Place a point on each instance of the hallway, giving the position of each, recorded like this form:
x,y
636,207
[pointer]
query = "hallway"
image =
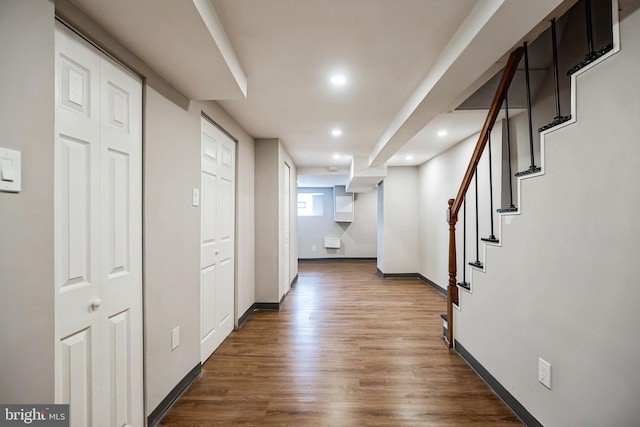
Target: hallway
x,y
347,349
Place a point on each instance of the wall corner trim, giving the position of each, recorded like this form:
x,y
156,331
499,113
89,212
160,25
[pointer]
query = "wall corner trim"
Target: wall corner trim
x,y
161,410
504,395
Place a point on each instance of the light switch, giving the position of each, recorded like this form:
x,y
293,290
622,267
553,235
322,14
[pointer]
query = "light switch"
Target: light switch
x,y
175,338
9,170
8,173
195,197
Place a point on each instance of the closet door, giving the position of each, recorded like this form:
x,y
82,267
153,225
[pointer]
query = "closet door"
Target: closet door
x,y
217,274
97,192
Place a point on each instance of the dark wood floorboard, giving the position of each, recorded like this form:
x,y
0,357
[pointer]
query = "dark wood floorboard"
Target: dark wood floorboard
x,y
347,349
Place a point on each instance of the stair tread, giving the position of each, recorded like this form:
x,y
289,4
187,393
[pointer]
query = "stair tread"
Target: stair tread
x,y
465,285
556,121
590,57
530,171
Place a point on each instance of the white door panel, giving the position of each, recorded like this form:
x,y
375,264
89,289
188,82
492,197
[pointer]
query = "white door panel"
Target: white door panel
x,y
121,243
226,211
120,369
225,295
217,280
98,236
77,376
208,211
208,299
76,194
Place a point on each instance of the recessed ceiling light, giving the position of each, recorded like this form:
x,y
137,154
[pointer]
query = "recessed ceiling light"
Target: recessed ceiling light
x,y
409,157
336,132
338,80
442,133
336,156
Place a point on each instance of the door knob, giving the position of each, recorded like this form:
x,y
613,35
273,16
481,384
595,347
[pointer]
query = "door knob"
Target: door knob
x,y
95,304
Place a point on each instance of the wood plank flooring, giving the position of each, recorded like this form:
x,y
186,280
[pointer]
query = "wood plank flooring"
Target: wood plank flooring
x,y
347,349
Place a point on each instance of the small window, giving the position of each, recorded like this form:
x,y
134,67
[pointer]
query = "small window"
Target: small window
x,y
310,204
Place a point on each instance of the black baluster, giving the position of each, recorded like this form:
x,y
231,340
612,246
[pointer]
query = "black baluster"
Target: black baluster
x,y
559,118
492,238
532,168
464,282
511,207
591,55
587,12
477,262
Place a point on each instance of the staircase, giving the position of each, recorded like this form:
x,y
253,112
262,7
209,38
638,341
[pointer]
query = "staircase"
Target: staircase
x,y
503,215
561,284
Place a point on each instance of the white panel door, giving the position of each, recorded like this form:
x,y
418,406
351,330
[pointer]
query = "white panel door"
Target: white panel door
x,y
121,244
286,251
217,275
98,280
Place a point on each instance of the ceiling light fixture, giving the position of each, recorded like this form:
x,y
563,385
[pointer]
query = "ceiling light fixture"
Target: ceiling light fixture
x,y
409,157
442,133
336,132
338,80
336,156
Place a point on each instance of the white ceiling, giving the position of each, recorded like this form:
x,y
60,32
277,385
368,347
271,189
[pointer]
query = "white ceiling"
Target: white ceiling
x,y
408,63
458,125
289,48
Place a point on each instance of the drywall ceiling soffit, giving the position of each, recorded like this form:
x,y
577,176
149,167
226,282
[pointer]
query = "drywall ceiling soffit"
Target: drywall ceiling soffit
x,y
184,41
363,184
322,180
480,44
288,48
363,178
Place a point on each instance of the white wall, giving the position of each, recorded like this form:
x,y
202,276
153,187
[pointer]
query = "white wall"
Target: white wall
x,y
172,236
398,248
439,181
171,244
171,224
285,158
267,249
380,221
26,233
270,157
563,285
358,238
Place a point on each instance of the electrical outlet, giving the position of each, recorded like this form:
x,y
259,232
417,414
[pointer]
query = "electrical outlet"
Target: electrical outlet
x,y
313,248
175,338
544,372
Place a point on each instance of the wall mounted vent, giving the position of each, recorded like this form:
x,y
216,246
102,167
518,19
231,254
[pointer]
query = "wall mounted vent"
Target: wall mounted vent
x,y
332,242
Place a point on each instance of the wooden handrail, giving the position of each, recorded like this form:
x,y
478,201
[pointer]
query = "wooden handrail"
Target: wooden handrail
x,y
456,204
494,110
